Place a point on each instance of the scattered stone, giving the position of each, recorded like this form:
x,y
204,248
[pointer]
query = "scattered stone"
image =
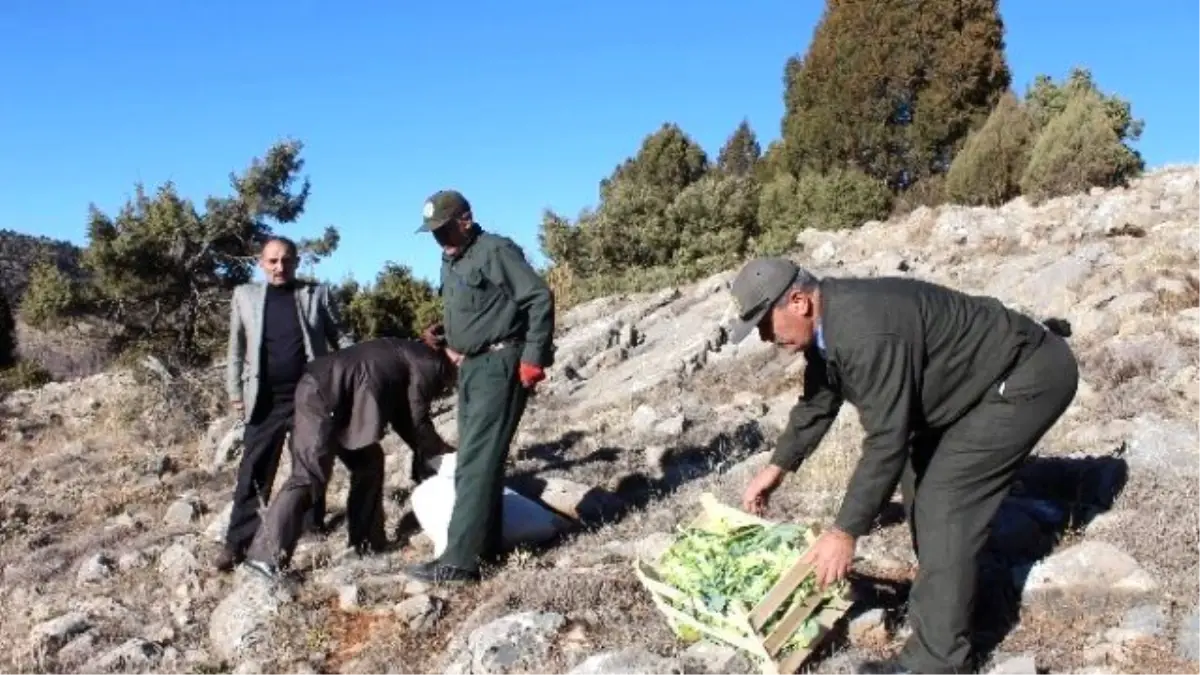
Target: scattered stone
x,y
95,569
420,612
182,512
178,565
511,643
349,597
132,560
249,667
242,621
49,635
135,655
414,587
712,657
1024,664
869,630
644,418
1187,639
215,531
1144,622
1090,565
76,652
631,660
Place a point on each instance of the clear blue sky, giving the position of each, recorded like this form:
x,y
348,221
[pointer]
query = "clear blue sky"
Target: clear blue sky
x,y
521,105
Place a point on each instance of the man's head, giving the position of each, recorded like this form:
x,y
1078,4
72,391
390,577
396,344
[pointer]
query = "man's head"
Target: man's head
x,y
278,260
448,216
778,298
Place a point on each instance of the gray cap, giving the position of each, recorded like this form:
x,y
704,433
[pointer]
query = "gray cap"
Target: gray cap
x,y
756,289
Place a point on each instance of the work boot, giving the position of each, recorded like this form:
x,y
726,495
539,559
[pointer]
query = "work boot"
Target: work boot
x,y
437,572
227,559
885,666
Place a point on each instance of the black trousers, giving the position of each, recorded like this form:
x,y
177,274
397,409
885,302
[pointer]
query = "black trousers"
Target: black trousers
x,y
952,488
313,450
262,442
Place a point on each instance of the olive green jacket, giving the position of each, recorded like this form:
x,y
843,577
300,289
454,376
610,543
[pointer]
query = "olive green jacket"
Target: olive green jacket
x,y
491,294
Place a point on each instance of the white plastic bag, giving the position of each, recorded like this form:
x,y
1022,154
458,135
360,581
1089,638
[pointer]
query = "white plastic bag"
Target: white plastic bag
x,y
524,520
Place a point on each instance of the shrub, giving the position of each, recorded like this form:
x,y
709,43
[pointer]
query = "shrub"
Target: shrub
x,y
987,171
1077,150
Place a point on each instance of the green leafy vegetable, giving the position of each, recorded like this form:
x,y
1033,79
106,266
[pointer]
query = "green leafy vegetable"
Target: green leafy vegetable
x,y
724,564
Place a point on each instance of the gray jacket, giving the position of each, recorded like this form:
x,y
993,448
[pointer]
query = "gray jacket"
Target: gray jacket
x,y
319,316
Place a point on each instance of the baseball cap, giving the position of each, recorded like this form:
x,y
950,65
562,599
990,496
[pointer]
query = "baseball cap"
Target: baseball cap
x,y
755,289
442,207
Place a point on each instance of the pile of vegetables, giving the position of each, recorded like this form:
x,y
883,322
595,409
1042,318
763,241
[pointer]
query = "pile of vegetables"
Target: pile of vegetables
x,y
723,567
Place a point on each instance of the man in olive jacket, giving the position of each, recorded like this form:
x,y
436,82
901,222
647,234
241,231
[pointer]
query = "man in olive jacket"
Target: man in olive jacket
x,y
345,403
953,392
499,315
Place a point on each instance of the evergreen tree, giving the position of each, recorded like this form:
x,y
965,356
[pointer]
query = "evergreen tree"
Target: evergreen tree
x,y
741,153
893,88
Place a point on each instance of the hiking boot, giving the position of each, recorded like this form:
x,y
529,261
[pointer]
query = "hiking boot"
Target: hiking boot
x,y
435,572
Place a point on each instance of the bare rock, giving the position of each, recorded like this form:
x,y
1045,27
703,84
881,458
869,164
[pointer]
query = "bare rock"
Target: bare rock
x,y
672,426
1144,622
241,623
644,418
575,500
712,657
349,597
631,660
1187,638
133,655
182,512
1024,664
48,636
215,530
517,642
420,612
132,560
869,630
1088,566
178,565
95,568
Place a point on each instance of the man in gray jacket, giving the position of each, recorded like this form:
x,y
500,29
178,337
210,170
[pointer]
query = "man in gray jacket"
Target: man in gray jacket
x,y
953,392
275,328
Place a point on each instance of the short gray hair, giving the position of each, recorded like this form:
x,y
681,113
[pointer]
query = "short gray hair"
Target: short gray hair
x,y
804,281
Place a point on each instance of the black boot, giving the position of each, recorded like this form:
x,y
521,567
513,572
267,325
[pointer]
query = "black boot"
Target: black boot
x,y
436,572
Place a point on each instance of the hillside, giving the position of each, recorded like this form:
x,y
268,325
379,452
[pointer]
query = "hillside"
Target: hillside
x,y
113,488
18,251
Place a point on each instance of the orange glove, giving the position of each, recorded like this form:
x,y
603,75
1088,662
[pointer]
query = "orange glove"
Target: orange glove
x,y
530,374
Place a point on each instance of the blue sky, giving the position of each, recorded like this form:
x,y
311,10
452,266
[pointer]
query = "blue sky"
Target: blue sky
x,y
521,105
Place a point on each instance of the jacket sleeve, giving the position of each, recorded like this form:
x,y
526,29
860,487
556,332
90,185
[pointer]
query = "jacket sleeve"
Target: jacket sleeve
x,y
810,418
422,436
533,298
235,351
333,325
880,373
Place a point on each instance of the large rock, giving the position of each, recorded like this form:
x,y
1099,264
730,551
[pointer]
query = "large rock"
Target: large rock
x,y
514,643
241,623
1088,566
632,660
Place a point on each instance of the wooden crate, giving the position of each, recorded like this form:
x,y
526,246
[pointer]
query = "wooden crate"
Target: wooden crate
x,y
743,627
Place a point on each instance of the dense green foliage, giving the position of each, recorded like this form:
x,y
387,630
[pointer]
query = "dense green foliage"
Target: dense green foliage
x,y
894,104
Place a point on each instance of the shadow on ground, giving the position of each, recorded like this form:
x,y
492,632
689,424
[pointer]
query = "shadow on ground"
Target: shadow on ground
x,y
600,506
1051,497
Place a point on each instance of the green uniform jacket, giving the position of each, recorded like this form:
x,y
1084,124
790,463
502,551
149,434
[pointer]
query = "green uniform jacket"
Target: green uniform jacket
x,y
909,355
491,294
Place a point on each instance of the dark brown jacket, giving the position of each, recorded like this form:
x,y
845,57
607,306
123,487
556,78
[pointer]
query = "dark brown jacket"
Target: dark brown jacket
x,y
381,383
910,356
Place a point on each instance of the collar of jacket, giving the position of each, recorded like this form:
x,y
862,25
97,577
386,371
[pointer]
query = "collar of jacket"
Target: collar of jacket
x,y
473,235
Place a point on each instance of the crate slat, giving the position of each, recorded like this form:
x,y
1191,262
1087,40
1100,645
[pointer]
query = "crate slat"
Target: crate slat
x,y
826,611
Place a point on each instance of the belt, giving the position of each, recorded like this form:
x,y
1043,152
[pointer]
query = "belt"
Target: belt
x,y
495,347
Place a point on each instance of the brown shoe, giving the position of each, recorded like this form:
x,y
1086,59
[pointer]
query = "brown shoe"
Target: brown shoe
x,y
227,560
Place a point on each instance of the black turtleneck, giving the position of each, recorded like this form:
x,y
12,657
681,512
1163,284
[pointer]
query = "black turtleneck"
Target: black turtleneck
x,y
282,340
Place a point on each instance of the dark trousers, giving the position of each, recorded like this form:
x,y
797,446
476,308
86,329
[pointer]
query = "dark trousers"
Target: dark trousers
x,y
313,450
952,487
262,442
491,401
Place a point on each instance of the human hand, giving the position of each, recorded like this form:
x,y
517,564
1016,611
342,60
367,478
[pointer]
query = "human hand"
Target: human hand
x,y
758,492
530,374
831,556
455,357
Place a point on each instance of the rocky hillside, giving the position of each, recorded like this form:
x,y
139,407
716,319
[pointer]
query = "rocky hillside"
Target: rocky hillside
x,y
114,489
18,250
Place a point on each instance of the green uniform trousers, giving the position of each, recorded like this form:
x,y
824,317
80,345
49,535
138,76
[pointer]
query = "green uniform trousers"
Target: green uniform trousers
x,y
491,401
952,488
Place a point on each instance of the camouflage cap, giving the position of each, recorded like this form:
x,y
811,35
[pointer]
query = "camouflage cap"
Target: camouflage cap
x,y
442,207
757,287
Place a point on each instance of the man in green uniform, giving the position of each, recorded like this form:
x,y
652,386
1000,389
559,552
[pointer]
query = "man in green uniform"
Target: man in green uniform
x,y
499,315
953,392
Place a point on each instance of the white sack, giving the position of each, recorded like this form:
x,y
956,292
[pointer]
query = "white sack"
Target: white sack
x,y
524,520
